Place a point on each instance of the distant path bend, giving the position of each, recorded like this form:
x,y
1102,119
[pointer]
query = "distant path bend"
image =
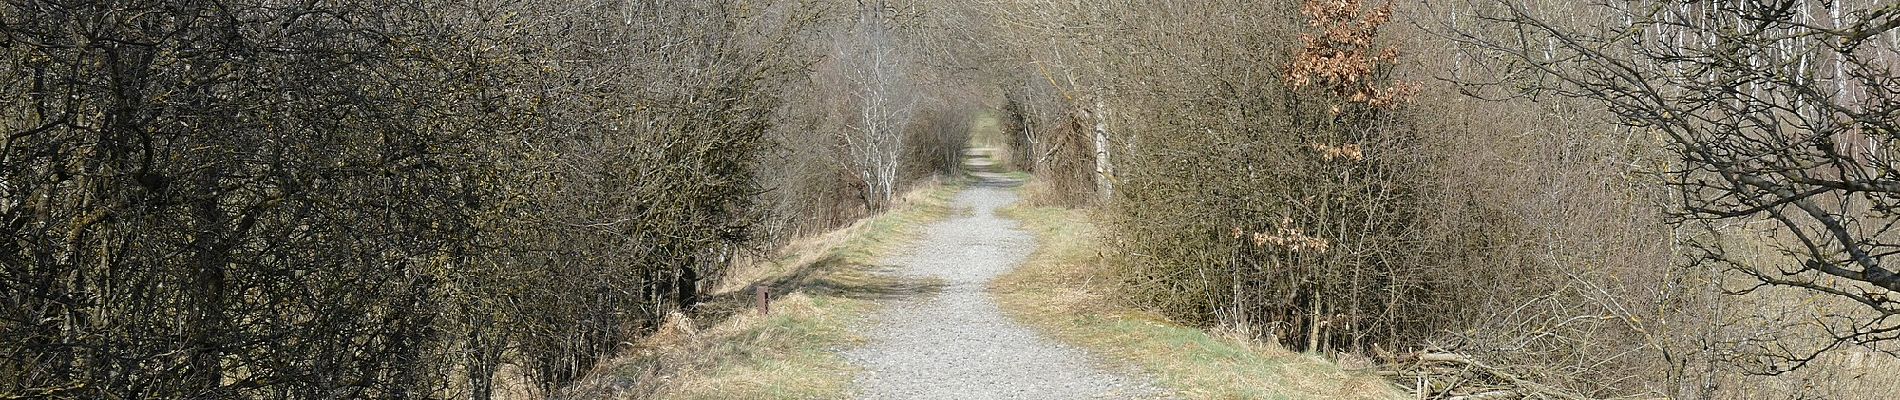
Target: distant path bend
x,y
957,344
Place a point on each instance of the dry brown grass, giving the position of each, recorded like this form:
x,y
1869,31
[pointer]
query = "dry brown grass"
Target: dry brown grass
x,y
1064,289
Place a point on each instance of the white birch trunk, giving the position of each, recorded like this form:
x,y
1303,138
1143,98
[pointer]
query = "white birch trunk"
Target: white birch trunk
x,y
1104,171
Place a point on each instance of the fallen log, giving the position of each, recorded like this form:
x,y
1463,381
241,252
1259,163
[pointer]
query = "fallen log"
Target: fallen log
x,y
1491,395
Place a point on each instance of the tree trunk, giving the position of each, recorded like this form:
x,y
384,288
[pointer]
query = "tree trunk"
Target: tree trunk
x,y
686,286
1312,321
207,294
1104,171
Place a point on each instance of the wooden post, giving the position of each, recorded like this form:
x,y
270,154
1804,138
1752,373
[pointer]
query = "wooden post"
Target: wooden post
x,y
764,296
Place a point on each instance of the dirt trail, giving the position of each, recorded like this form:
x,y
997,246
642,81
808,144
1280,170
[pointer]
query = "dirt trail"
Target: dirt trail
x,y
956,344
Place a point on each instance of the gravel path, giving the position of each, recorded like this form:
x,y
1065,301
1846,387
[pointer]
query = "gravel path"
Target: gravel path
x,y
956,344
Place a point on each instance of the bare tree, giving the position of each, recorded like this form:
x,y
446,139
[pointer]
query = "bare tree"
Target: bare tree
x,y
882,98
1777,115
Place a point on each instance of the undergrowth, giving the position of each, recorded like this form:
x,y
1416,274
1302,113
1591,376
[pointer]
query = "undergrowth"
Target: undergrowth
x,y
1064,290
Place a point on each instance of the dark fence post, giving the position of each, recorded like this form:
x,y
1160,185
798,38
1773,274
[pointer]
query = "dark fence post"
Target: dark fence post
x,y
764,299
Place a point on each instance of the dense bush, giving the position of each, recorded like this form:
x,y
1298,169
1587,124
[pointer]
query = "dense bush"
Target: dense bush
x,y
243,199
1299,212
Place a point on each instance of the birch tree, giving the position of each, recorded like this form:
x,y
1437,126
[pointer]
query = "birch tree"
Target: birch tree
x,y
883,99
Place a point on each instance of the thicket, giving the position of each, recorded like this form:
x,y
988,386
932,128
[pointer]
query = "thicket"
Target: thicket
x,y
396,198
1301,216
1773,121
1482,177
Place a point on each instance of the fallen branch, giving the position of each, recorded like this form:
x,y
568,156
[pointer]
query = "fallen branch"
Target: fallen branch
x,y
1452,376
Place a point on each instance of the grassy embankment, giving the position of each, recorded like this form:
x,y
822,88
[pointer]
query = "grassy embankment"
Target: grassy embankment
x,y
1065,290
830,282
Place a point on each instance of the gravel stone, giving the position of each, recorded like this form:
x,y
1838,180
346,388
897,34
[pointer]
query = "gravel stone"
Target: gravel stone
x,y
956,343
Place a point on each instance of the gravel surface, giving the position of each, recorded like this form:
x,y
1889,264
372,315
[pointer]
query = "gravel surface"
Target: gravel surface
x,y
956,344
